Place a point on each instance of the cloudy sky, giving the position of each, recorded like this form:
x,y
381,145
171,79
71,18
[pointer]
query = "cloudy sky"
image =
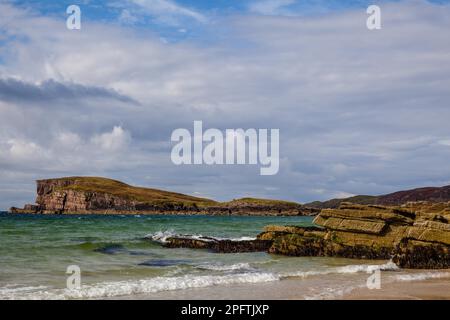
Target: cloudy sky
x,y
359,111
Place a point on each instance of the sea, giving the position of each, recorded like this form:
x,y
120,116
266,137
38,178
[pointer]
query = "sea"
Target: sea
x,y
122,256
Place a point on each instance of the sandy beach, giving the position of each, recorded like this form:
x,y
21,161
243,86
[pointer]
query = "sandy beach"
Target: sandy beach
x,y
301,289
434,289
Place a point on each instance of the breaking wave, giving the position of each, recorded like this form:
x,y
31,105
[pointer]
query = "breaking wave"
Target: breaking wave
x,y
221,267
389,266
162,236
157,284
356,268
422,276
168,283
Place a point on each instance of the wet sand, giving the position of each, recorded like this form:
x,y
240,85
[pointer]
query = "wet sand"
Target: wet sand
x,y
300,289
434,289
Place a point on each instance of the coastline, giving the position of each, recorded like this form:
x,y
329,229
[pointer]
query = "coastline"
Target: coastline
x,y
118,261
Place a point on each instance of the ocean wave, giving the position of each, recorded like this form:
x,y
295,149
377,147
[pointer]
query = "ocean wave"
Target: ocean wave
x,y
331,293
162,236
244,275
133,287
16,289
349,269
422,276
221,267
368,268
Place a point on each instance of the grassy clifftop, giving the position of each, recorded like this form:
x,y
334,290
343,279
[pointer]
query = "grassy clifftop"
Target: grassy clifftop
x,y
259,202
149,195
123,190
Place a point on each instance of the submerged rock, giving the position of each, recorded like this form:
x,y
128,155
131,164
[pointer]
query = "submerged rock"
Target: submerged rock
x,y
111,249
421,254
163,263
415,235
116,248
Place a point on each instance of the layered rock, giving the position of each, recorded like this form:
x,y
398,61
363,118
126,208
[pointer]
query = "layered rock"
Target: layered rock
x,y
416,235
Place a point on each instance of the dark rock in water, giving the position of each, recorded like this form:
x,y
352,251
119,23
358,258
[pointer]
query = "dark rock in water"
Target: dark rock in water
x,y
111,249
163,263
419,254
118,248
222,246
299,245
138,253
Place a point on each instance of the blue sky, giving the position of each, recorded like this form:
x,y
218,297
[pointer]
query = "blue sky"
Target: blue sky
x,y
140,14
359,111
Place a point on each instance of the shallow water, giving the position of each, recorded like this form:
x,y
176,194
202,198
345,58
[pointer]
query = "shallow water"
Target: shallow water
x,y
116,258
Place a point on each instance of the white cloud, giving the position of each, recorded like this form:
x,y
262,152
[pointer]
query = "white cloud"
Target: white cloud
x,y
444,142
69,140
168,11
358,111
342,195
24,150
270,7
115,140
127,17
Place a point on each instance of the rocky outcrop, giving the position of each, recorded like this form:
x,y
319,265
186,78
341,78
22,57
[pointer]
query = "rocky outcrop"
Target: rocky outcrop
x,y
219,246
92,195
422,254
258,207
415,235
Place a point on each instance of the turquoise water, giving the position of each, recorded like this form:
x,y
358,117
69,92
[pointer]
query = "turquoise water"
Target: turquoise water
x,y
123,256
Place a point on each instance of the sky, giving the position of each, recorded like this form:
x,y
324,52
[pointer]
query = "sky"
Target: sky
x,y
359,111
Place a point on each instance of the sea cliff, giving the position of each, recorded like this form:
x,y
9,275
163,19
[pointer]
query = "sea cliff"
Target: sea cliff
x,y
93,195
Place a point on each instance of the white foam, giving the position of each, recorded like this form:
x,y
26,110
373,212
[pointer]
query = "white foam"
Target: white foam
x,y
172,282
239,239
332,293
422,276
162,236
368,268
349,269
304,274
220,267
12,289
124,288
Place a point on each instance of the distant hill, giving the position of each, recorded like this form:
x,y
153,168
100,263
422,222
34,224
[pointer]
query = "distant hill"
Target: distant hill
x,y
432,194
85,195
334,203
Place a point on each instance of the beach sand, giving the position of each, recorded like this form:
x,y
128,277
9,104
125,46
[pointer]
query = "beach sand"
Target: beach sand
x,y
433,289
300,289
